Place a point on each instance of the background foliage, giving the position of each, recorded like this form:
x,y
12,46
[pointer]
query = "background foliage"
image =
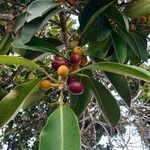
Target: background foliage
x,y
38,30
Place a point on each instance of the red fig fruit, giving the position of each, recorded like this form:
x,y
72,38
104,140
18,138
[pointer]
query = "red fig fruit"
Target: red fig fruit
x,y
76,88
75,58
71,79
57,63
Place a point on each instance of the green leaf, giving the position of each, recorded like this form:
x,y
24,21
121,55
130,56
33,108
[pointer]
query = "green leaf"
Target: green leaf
x,y
9,60
4,40
106,101
61,131
55,41
32,27
20,21
138,8
50,15
18,98
90,36
99,32
118,16
141,46
133,57
2,94
39,8
104,28
120,47
127,70
136,43
5,44
36,44
79,103
29,29
99,49
35,96
130,40
143,36
91,11
121,85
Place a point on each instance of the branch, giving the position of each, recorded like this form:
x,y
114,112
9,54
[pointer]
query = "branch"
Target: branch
x,y
63,25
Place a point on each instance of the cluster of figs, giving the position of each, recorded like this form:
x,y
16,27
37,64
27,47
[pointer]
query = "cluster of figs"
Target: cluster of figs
x,y
64,66
139,21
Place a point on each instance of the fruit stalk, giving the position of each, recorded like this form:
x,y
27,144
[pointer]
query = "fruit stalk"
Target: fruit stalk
x,y
61,97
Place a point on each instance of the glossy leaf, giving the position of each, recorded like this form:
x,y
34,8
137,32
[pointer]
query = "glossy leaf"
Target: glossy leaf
x,y
36,44
127,70
29,29
130,40
97,33
20,21
61,131
121,85
9,60
90,36
99,49
4,40
21,96
120,47
39,8
136,44
133,57
138,8
118,16
141,46
50,15
103,28
5,44
91,11
106,101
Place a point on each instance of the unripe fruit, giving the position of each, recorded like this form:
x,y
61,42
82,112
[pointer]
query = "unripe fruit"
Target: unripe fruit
x,y
76,88
75,58
57,63
45,84
84,60
63,71
71,79
148,18
132,27
78,50
143,19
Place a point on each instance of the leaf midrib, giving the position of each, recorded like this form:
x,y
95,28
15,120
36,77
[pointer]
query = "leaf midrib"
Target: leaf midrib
x,y
62,127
